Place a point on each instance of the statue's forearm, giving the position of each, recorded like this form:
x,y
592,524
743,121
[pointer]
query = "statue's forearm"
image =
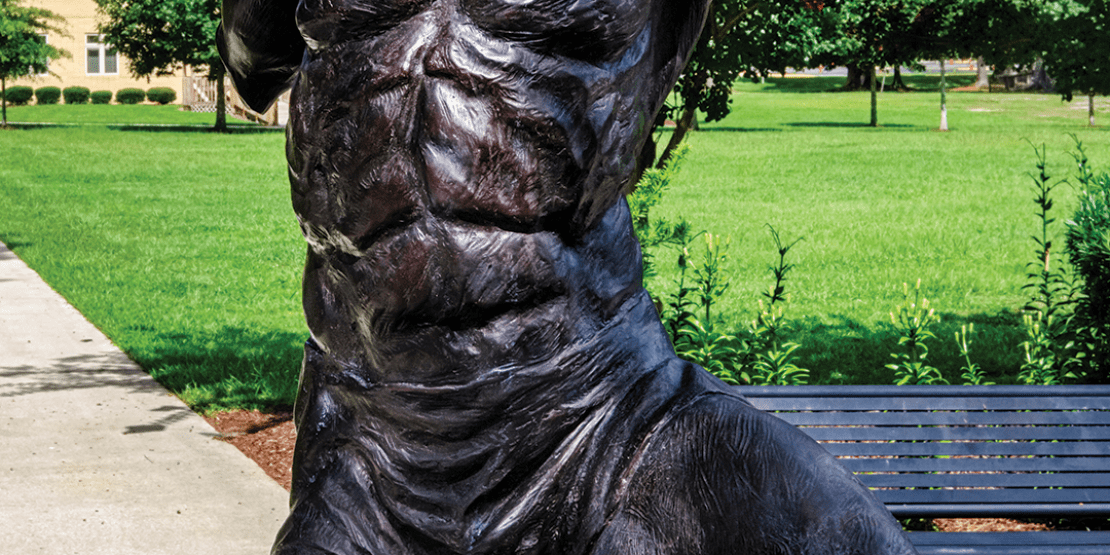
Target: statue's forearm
x,y
261,47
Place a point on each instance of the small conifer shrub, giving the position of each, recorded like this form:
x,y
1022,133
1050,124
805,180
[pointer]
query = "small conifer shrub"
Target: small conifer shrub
x,y
161,95
76,95
48,95
130,96
101,97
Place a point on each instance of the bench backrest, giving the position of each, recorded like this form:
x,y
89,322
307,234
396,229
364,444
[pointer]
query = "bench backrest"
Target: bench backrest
x,y
962,451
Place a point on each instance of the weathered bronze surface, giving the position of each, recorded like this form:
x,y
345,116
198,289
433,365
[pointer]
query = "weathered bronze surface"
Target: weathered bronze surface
x,y
486,373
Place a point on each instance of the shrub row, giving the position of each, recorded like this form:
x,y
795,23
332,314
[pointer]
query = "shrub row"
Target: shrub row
x,y
21,95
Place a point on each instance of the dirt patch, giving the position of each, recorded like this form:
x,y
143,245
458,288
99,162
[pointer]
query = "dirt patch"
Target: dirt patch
x,y
267,439
987,525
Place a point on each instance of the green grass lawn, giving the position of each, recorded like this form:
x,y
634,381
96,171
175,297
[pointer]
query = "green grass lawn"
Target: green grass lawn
x,y
878,207
183,249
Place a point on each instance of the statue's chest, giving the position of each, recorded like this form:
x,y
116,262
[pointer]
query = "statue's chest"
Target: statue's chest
x,y
593,30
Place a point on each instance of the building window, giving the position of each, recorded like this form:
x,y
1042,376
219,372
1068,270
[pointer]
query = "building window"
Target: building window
x,y
100,58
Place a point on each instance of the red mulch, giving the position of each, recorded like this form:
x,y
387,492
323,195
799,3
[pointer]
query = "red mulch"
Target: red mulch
x,y
987,525
268,440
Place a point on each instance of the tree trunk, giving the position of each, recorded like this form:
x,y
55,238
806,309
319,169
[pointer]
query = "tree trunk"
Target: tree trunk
x,y
221,102
1041,80
943,100
874,100
4,102
684,124
857,78
898,84
1091,109
644,161
982,78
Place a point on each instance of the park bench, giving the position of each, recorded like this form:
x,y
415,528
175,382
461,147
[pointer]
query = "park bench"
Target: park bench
x,y
968,452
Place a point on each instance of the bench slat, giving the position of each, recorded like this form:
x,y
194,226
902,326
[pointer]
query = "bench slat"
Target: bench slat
x,y
827,404
978,418
959,451
1011,543
1054,479
1043,549
1047,464
988,510
992,496
841,391
1053,549
958,433
1067,537
978,448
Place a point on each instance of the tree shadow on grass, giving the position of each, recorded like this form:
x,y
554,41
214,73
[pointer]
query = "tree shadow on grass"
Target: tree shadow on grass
x,y
853,124
231,368
809,84
740,129
232,128
842,350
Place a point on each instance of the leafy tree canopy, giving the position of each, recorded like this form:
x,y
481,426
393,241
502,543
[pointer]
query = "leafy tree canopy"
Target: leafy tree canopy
x,y
22,50
1077,50
160,36
741,38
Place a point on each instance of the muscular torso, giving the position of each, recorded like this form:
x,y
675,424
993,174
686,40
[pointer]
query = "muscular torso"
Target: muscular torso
x,y
486,374
445,153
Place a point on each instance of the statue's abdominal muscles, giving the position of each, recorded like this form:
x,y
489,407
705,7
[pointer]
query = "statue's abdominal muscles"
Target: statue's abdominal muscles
x,y
417,168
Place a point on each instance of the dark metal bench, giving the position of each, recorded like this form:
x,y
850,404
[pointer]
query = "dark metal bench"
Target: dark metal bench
x,y
968,452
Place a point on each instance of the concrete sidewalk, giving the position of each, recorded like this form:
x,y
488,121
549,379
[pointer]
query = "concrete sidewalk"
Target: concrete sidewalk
x,y
96,457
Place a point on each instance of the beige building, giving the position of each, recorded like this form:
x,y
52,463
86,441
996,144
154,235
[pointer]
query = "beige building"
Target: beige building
x,y
92,63
96,65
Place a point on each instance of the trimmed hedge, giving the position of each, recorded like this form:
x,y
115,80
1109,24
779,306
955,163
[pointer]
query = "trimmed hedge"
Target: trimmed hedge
x,y
47,95
161,95
19,95
130,96
76,95
101,97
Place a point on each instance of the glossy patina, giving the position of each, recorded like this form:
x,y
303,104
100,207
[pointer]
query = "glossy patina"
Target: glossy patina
x,y
486,373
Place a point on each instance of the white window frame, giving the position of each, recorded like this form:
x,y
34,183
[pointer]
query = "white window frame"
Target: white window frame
x,y
102,51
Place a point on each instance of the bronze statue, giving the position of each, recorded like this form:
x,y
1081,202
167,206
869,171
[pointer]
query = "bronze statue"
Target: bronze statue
x,y
486,374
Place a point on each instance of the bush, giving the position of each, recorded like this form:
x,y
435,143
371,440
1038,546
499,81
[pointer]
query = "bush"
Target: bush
x,y
161,95
76,95
101,97
48,95
130,96
19,95
1088,248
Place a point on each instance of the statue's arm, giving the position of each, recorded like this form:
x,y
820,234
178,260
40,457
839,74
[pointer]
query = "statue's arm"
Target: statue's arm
x,y
261,46
678,25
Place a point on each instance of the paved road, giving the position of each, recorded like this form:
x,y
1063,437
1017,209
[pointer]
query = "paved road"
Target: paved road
x,y
97,458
